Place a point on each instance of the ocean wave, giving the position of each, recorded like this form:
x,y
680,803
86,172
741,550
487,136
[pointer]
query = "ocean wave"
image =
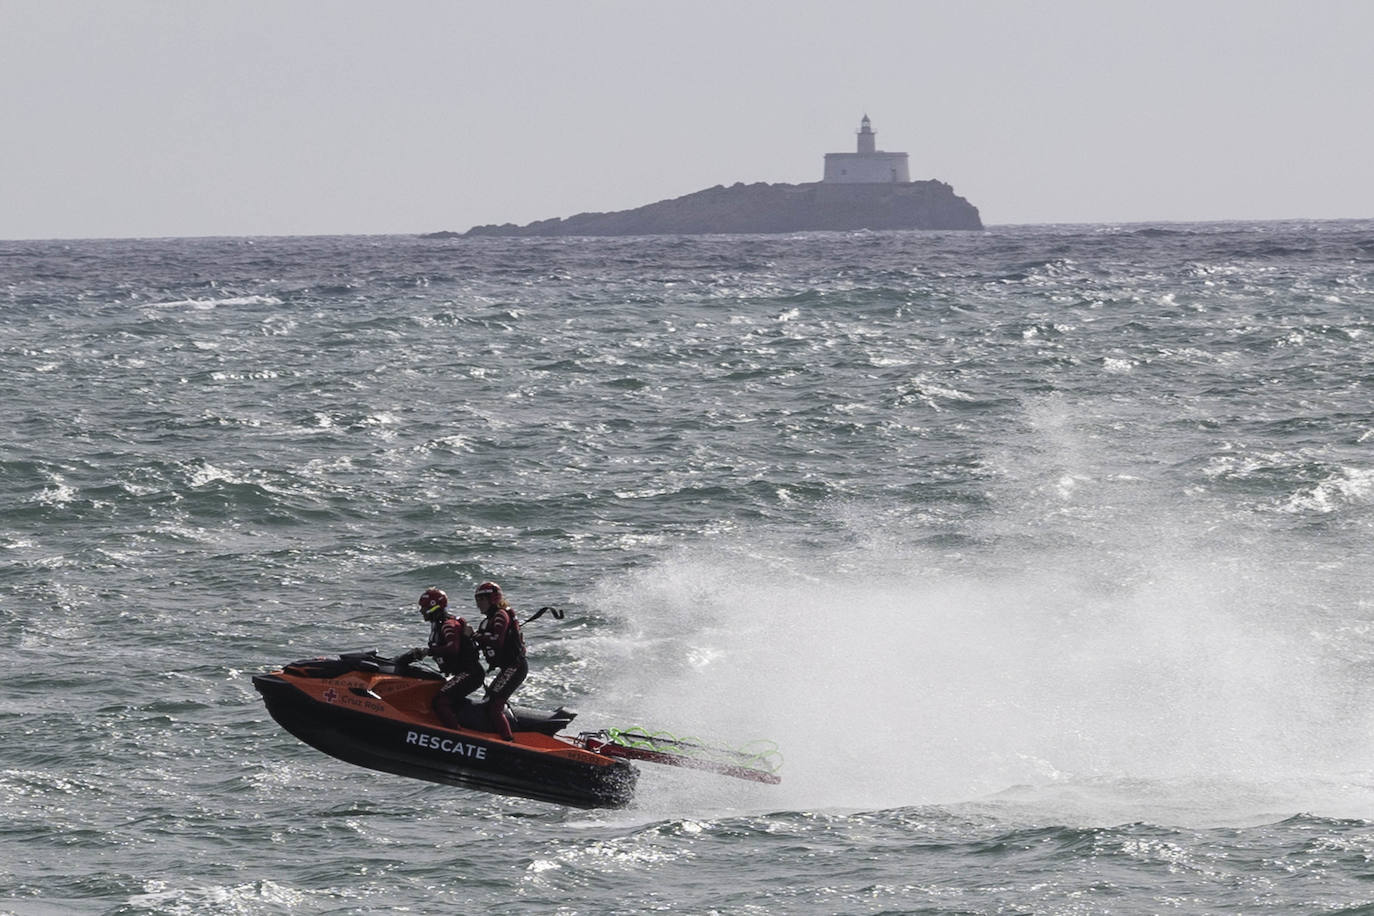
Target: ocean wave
x,y
1344,487
1072,523
208,304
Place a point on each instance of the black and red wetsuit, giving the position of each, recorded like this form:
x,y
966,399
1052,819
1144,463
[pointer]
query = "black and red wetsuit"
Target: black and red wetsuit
x,y
504,645
453,646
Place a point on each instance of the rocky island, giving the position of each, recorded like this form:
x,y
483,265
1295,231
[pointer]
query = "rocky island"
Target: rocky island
x,y
868,189
772,208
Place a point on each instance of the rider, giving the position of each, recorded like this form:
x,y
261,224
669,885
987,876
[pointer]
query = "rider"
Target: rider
x,y
452,644
504,645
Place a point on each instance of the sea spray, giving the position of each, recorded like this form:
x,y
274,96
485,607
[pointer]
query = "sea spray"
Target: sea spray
x,y
922,686
1104,624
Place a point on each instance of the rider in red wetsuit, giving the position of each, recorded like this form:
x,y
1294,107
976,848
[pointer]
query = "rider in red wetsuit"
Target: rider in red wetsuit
x,y
453,645
500,638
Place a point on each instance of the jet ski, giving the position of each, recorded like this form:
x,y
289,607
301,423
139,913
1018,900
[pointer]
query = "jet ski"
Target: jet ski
x,y
377,712
366,709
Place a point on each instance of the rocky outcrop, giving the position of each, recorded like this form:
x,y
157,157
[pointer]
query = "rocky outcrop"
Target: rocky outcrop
x,y
765,207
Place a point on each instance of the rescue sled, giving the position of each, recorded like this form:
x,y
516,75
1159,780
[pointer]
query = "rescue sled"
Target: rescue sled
x,y
366,709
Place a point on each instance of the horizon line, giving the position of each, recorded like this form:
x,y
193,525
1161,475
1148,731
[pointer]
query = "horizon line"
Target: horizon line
x,y
460,234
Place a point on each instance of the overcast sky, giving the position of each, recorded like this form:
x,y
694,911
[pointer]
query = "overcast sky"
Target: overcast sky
x,y
138,118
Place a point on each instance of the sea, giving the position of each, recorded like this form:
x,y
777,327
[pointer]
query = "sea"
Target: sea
x,y
1042,554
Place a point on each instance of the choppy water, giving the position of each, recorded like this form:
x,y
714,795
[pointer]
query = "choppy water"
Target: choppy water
x,y
1044,554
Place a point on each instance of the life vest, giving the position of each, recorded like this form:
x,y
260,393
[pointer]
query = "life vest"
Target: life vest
x,y
452,646
512,647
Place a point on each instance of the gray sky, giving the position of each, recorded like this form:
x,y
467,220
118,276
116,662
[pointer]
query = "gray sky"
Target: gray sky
x,y
137,118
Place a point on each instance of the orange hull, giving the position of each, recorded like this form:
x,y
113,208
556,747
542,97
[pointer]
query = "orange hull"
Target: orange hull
x,y
361,709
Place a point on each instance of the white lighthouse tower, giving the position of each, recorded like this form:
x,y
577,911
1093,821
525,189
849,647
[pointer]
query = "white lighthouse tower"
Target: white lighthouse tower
x,y
869,165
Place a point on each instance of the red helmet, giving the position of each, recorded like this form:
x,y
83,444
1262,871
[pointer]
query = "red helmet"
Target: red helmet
x,y
490,589
433,603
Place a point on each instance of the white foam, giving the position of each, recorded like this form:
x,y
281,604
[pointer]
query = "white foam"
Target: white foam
x,y
1103,630
209,304
1343,487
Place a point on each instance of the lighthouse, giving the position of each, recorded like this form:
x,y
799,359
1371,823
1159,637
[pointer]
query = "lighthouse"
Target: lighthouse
x,y
867,138
869,165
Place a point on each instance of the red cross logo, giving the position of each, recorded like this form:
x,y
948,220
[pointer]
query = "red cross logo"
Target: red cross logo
x,y
331,694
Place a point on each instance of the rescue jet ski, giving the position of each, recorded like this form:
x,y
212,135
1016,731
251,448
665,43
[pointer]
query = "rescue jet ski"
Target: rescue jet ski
x,y
376,712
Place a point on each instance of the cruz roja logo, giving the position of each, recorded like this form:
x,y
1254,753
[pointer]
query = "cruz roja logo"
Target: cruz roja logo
x,y
447,745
